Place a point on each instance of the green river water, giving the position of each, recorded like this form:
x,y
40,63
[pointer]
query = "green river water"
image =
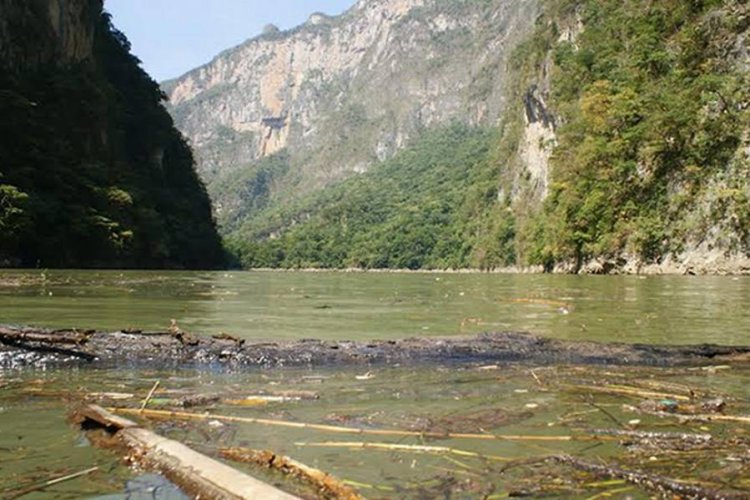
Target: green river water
x,y
36,442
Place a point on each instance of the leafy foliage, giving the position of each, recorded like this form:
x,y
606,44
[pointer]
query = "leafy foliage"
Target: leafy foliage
x,y
428,207
96,174
654,108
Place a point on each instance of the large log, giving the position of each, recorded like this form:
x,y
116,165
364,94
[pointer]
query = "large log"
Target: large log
x,y
196,474
175,348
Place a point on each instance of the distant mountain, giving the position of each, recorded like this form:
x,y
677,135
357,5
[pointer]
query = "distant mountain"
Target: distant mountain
x,y
570,135
336,95
92,171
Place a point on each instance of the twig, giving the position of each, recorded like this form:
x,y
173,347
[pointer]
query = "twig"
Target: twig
x,y
439,450
328,486
609,493
681,436
343,430
150,395
607,413
630,391
740,419
51,482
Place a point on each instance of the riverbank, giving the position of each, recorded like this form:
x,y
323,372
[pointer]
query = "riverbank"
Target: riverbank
x,y
703,262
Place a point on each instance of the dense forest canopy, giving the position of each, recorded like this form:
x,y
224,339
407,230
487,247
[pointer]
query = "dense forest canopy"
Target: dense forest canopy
x,y
93,173
425,208
650,160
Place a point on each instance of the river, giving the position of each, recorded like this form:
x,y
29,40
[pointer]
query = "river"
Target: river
x,y
296,305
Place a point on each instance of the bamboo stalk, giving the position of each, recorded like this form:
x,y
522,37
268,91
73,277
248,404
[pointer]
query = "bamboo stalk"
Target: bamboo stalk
x,y
150,395
181,415
630,391
51,482
612,492
328,486
439,450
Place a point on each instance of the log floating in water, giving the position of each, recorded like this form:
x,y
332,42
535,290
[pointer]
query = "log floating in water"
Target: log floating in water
x,y
190,470
166,349
328,486
47,341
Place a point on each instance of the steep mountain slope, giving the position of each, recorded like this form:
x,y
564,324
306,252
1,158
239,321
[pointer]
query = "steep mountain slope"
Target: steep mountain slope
x,y
337,95
92,171
651,167
427,207
623,146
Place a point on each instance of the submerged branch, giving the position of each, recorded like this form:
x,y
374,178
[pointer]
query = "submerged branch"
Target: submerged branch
x,y
652,482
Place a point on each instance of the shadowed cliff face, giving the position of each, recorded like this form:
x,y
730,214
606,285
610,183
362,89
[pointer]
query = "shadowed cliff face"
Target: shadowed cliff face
x,y
342,93
92,172
39,32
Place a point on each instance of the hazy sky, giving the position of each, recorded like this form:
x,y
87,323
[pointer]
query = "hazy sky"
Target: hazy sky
x,y
172,37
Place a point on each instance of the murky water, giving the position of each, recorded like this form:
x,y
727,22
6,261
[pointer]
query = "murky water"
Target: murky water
x,y
37,443
281,305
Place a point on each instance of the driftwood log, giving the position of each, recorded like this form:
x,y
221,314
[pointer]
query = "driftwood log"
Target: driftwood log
x,y
327,486
33,346
196,474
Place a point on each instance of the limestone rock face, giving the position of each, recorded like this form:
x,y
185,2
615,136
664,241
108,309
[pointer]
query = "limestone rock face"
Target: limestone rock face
x,y
340,93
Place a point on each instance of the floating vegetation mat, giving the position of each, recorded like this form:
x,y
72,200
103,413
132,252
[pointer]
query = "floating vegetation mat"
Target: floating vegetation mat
x,y
438,432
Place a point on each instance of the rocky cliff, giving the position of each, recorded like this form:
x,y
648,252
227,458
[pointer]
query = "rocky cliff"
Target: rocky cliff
x,y
341,93
92,171
40,32
594,136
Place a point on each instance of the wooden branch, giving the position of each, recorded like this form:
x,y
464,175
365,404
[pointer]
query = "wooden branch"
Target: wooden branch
x,y
47,337
193,472
41,341
652,482
328,486
181,415
679,436
682,417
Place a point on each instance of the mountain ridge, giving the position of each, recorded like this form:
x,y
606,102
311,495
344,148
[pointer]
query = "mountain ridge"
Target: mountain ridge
x,y
597,165
345,92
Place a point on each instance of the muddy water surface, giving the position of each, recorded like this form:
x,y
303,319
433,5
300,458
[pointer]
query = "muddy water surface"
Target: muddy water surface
x,y
37,443
280,305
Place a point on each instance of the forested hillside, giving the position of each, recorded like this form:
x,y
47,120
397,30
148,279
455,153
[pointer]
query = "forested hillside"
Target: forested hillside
x,y
92,171
624,147
652,155
428,207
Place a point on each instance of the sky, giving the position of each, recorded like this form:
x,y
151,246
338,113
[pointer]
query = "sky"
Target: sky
x,y
172,37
